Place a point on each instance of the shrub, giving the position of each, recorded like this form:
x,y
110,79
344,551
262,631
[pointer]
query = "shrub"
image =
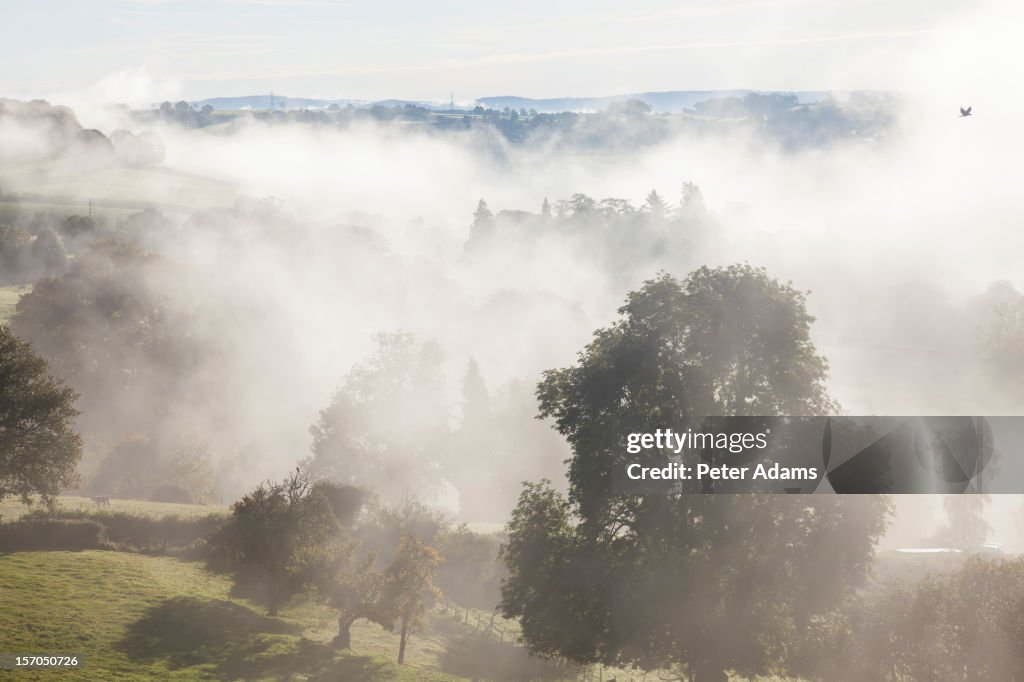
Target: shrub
x,y
36,533
142,532
168,492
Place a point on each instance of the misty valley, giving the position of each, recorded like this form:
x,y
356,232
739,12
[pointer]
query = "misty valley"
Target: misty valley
x,y
328,388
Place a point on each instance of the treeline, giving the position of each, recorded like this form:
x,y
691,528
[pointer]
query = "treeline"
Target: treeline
x,y
963,625
622,126
621,239
27,257
37,131
704,586
159,346
42,245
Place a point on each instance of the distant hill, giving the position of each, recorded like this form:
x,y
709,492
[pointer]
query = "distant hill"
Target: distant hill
x,y
668,102
281,102
261,102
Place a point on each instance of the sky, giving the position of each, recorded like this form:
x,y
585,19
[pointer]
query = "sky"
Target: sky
x,y
140,51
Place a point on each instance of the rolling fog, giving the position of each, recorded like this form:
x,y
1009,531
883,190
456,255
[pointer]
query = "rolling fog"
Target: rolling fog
x,y
328,236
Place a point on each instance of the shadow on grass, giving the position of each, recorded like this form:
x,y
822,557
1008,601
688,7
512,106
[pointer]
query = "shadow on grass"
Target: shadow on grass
x,y
480,656
248,582
235,642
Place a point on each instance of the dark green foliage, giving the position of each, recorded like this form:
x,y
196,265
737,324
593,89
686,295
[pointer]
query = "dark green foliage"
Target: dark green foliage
x,y
471,573
724,341
27,257
37,533
386,525
347,502
168,492
14,246
963,625
341,573
706,583
107,329
79,230
167,532
48,254
172,470
136,532
38,447
271,526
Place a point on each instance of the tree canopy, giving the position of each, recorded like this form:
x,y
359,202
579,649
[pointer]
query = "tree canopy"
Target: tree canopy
x,y
357,439
270,528
700,583
38,445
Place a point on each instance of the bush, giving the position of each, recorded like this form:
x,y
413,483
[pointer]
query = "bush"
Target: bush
x,y
35,533
965,625
168,492
142,532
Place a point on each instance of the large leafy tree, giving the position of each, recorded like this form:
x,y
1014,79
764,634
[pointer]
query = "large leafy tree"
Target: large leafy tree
x,y
704,584
385,428
107,328
38,445
272,527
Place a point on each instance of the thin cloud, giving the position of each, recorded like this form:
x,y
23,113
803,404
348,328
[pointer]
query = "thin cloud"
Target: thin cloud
x,y
551,55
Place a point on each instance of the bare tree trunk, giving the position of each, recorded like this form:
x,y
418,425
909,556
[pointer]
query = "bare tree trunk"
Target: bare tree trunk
x,y
401,642
275,593
709,673
344,638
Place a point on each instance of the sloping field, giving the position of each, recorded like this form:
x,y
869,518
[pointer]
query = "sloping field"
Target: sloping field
x,y
131,617
9,299
117,187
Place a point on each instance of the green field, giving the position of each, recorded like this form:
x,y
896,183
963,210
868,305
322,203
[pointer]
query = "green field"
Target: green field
x,y
138,616
12,509
9,297
115,189
134,617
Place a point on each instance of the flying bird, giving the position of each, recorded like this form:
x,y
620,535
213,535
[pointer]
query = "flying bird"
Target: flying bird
x,y
965,112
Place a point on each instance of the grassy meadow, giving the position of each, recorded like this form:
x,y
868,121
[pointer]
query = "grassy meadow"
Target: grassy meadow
x,y
132,616
9,297
141,615
12,509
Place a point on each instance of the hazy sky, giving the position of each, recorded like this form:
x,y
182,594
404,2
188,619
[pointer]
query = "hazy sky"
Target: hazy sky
x,y
142,50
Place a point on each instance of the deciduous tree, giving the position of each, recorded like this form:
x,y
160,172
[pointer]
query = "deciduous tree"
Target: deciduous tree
x,y
38,445
707,583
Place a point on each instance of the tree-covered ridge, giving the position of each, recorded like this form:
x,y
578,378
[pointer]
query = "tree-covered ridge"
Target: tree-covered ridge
x,y
617,125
